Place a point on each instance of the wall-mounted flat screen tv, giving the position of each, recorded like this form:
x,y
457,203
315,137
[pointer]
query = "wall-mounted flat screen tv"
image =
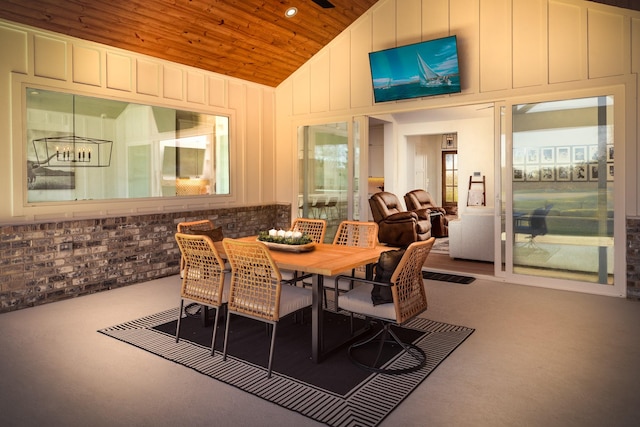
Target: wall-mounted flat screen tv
x,y
427,68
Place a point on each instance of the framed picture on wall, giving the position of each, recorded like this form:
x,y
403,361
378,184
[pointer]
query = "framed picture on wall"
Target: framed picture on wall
x,y
593,172
518,173
593,153
547,173
533,155
532,173
580,172
563,155
518,156
609,152
609,171
579,154
563,173
547,155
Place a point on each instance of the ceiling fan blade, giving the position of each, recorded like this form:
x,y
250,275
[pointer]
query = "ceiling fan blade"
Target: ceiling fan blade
x,y
324,4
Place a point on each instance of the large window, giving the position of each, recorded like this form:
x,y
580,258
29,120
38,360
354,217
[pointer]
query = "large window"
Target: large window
x,y
84,148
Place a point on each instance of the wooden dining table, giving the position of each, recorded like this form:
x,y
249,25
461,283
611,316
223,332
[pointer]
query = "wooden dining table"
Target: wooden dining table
x,y
324,260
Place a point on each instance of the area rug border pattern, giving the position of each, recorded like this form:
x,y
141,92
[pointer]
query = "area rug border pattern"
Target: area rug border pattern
x,y
365,405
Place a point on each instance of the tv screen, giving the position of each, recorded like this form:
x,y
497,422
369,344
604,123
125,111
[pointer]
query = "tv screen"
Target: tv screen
x,y
422,69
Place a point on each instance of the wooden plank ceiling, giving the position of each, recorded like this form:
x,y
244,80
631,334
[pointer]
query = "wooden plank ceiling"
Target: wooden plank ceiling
x,y
625,4
247,39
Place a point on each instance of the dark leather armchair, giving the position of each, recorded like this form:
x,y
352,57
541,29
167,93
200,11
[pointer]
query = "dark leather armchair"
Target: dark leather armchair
x,y
397,227
420,200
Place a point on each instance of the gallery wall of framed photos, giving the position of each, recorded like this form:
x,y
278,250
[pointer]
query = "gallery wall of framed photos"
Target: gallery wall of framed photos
x,y
578,163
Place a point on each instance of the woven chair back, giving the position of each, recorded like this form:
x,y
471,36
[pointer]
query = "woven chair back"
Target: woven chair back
x,y
200,225
357,233
314,228
409,296
255,280
186,226
204,274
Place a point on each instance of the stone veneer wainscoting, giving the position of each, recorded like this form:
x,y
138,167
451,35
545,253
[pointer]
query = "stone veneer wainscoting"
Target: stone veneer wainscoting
x,y
47,262
633,258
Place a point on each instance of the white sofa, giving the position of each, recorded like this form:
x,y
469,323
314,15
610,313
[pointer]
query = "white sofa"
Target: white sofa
x,y
471,236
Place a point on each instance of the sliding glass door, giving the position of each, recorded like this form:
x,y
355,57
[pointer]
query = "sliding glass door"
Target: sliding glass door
x,y
325,164
559,215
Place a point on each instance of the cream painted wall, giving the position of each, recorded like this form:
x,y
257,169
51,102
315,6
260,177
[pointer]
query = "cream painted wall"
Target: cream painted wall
x,y
509,50
475,153
35,57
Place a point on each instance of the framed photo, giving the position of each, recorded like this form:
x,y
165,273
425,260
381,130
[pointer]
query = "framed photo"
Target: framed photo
x,y
609,152
593,172
547,155
518,156
518,173
563,173
533,173
609,171
533,156
579,154
593,153
547,173
580,172
563,155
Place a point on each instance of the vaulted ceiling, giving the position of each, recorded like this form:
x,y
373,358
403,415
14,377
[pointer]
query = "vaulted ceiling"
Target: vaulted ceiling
x,y
248,39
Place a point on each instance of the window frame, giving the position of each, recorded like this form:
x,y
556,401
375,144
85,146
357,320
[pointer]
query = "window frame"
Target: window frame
x,y
22,209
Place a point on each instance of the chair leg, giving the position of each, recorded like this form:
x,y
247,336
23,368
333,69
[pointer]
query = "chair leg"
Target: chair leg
x,y
215,329
226,336
179,319
383,339
273,342
407,348
410,349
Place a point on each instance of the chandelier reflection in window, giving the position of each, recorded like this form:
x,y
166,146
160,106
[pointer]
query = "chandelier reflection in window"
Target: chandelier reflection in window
x,y
73,150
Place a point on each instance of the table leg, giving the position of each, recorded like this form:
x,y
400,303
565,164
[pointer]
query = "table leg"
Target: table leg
x,y
369,271
316,318
204,315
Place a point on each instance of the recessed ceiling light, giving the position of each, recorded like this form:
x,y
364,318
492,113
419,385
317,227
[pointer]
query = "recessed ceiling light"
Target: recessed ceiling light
x,y
291,12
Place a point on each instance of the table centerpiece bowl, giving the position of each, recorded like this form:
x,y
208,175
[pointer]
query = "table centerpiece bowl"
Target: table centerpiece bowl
x,y
288,243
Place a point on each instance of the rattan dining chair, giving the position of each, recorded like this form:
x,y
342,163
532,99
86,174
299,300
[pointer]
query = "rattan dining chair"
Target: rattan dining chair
x,y
409,299
205,280
353,233
315,229
256,289
190,227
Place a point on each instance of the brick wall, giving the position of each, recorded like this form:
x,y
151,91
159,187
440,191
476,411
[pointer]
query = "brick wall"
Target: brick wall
x,y
633,258
47,262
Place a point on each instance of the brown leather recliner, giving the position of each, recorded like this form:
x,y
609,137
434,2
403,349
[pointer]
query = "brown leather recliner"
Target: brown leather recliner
x,y
397,227
418,201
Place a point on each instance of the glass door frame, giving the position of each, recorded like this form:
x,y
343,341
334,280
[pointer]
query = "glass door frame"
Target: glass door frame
x,y
503,248
357,205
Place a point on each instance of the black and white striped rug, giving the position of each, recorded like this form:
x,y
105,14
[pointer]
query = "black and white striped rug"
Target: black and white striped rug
x,y
366,403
